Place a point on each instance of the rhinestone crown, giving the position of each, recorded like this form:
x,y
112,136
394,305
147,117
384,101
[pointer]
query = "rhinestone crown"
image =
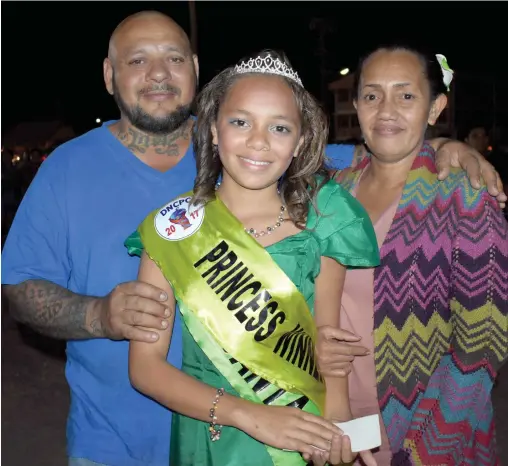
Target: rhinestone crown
x,y
268,65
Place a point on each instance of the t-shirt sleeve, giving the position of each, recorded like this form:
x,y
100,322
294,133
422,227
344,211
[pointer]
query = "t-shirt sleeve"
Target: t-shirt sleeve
x,y
134,244
36,247
339,156
343,228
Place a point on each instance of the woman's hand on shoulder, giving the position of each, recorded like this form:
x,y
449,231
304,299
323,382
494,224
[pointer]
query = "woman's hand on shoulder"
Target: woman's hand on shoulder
x,y
336,351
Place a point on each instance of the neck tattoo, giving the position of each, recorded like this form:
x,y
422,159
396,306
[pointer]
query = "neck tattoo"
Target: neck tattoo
x,y
165,144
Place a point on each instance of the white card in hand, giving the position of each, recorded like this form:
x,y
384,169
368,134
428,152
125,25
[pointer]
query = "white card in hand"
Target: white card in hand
x,y
364,432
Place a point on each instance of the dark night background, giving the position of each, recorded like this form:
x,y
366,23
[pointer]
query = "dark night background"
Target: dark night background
x,y
52,55
52,51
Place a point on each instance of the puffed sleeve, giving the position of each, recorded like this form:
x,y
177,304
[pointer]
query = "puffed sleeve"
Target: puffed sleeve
x,y
134,244
343,228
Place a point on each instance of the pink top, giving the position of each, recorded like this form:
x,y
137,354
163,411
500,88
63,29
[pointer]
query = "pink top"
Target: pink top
x,y
357,316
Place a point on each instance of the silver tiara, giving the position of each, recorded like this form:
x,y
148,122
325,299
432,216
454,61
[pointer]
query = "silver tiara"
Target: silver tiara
x,y
268,65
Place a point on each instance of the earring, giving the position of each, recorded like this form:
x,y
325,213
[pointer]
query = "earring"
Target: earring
x,y
215,153
218,182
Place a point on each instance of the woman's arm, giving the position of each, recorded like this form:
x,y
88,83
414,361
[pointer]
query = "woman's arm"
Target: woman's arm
x,y
329,287
285,428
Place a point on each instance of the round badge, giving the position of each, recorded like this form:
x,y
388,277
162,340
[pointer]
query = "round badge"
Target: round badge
x,y
178,220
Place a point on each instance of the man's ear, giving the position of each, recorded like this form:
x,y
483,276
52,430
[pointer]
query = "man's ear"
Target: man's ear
x,y
196,65
107,70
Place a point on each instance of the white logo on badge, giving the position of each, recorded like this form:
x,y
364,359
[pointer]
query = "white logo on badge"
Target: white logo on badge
x,y
178,220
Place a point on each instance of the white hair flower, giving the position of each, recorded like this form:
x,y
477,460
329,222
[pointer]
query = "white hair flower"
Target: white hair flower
x,y
446,70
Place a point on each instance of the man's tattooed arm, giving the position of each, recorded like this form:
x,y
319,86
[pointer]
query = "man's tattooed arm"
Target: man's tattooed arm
x,y
53,310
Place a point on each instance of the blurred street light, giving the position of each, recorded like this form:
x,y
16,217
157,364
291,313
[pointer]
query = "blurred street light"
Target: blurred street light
x,y
344,71
98,120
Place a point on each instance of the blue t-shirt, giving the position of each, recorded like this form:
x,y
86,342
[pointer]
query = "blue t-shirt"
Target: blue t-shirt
x,y
340,156
85,200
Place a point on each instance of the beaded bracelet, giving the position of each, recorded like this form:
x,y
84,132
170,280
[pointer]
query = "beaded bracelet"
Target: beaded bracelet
x,y
215,429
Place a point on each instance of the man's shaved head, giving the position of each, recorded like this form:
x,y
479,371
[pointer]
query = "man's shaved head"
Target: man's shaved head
x,y
142,20
151,72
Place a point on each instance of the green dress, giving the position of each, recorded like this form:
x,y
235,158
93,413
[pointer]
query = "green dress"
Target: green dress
x,y
340,230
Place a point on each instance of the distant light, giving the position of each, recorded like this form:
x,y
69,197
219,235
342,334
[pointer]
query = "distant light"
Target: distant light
x,y
98,120
344,71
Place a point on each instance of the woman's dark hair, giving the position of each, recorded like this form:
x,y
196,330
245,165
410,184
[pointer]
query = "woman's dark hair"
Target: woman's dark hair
x,y
298,186
431,68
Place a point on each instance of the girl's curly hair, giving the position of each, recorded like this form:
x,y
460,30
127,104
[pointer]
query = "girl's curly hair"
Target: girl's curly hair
x,y
299,185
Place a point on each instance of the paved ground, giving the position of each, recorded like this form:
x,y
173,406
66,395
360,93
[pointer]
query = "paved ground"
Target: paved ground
x,y
35,400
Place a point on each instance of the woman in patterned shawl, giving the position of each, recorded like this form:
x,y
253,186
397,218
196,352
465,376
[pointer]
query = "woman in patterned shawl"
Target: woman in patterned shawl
x,y
435,312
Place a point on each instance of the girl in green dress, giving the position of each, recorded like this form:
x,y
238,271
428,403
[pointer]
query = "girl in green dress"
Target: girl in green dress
x,y
255,258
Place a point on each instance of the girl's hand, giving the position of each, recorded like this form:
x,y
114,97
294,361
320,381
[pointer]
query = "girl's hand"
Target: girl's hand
x,y
340,452
287,428
322,458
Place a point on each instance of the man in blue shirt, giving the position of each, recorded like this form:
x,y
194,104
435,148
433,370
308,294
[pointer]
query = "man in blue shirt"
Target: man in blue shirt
x,y
68,273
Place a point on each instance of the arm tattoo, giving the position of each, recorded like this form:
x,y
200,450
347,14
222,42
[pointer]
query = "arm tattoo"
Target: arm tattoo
x,y
53,310
166,144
